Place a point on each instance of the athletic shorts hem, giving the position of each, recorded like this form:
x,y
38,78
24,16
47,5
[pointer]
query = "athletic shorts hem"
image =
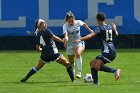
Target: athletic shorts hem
x,y
58,58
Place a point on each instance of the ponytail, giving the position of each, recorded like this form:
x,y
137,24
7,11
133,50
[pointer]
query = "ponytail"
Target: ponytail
x,y
36,22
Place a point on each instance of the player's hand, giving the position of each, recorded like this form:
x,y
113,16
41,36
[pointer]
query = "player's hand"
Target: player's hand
x,y
113,26
77,40
91,31
65,39
115,29
65,45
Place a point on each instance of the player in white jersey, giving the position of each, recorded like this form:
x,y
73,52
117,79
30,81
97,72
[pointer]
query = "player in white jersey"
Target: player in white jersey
x,y
71,31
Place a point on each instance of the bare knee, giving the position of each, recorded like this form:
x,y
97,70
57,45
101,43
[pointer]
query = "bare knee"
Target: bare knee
x,y
40,64
95,64
78,55
92,63
66,63
71,59
78,51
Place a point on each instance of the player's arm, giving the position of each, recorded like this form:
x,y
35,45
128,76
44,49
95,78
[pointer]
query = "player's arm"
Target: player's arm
x,y
65,37
37,39
89,36
38,48
65,33
87,27
115,29
54,37
57,38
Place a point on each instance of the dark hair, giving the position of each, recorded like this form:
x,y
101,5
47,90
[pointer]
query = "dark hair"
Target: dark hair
x,y
36,23
101,16
69,15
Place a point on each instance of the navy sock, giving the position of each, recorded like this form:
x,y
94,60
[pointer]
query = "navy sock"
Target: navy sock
x,y
31,72
94,75
107,69
70,72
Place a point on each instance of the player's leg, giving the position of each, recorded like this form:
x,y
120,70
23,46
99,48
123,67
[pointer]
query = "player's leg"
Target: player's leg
x,y
71,60
71,55
33,70
107,58
78,52
62,60
94,65
111,70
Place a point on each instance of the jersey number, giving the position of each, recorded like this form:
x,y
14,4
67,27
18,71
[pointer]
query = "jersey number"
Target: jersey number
x,y
42,42
108,35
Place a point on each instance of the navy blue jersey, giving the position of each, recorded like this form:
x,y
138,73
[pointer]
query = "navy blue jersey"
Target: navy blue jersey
x,y
44,39
105,33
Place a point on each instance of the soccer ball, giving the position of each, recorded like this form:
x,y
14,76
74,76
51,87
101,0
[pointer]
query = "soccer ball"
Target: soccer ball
x,y
88,78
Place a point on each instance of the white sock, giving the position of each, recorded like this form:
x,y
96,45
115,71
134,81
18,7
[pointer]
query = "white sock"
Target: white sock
x,y
79,64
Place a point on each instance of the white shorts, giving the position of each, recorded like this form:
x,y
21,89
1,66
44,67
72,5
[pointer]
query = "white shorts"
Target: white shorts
x,y
70,50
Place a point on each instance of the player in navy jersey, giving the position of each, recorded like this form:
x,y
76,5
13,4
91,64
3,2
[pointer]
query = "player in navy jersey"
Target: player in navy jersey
x,y
49,52
106,33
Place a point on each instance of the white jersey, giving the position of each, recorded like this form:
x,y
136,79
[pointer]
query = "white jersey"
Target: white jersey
x,y
73,32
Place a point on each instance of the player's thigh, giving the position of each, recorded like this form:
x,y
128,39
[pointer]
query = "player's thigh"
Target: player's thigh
x,y
70,51
78,50
96,63
71,59
92,62
106,57
40,64
62,60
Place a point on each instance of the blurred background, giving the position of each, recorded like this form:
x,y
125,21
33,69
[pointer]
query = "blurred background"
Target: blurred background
x,y
18,16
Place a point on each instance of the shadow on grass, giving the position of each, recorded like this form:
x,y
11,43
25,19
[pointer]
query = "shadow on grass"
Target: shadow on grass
x,y
69,83
51,83
36,82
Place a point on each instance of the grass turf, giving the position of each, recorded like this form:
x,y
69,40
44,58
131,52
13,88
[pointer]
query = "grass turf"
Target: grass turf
x,y
14,65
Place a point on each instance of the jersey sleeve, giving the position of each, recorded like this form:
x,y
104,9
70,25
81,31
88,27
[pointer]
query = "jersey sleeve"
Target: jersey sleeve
x,y
49,32
64,28
80,22
97,30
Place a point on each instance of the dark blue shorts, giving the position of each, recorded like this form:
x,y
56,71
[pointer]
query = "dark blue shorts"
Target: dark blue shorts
x,y
106,57
50,57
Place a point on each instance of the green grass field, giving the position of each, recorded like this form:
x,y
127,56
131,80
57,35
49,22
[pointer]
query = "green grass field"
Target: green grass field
x,y
53,78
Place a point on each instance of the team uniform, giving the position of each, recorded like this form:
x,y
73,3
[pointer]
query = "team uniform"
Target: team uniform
x,y
105,33
73,34
49,49
44,39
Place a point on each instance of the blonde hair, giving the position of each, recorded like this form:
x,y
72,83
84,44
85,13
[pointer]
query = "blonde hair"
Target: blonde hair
x,y
69,15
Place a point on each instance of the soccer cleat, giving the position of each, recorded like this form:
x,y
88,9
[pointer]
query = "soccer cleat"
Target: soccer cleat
x,y
74,81
23,80
78,75
117,74
96,84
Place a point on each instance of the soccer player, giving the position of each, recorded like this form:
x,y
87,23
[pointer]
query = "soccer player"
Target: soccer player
x,y
71,31
106,33
49,52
